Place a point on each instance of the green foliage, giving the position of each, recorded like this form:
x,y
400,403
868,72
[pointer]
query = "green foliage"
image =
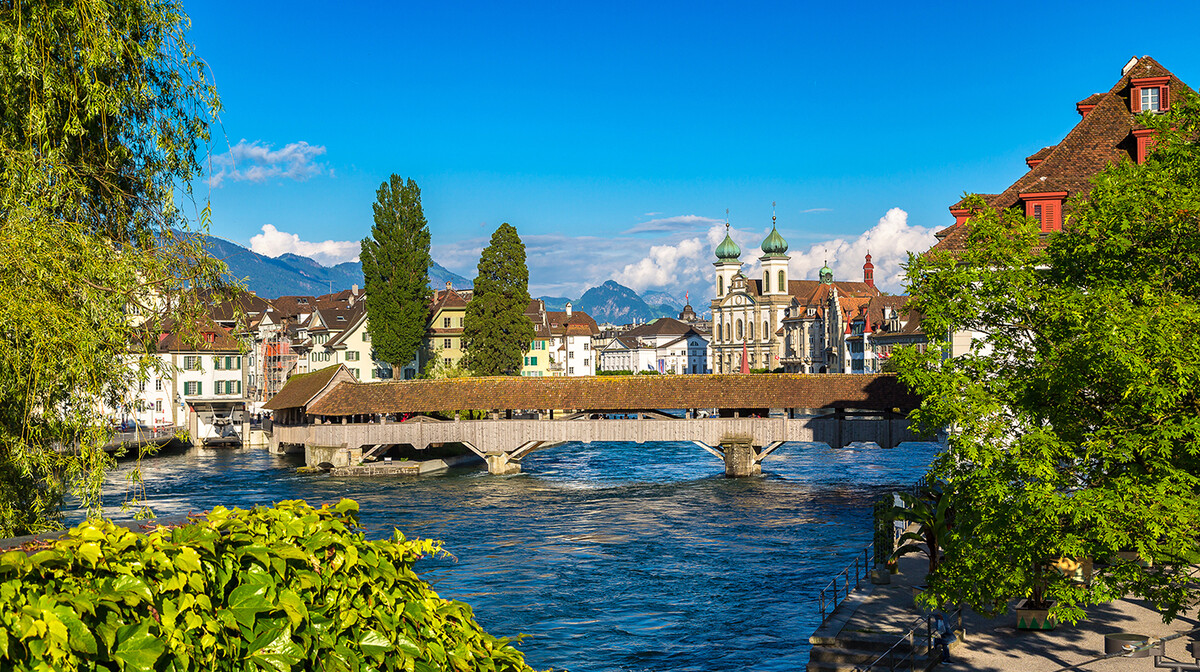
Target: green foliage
x,y
103,106
619,372
496,331
278,588
437,368
1074,429
929,509
396,261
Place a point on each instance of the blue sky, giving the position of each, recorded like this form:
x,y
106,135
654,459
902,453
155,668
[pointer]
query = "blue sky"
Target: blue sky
x,y
614,136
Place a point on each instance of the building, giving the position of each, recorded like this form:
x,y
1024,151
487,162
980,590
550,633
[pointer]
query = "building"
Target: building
x,y
571,333
1107,132
664,345
748,314
444,335
536,362
831,333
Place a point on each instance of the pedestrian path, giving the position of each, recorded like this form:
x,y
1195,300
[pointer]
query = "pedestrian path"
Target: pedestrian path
x,y
872,619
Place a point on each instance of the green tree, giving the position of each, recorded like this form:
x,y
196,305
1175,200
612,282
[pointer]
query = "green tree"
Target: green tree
x,y
1073,421
496,332
103,107
396,261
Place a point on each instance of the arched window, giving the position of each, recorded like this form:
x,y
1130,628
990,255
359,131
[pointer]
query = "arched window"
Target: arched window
x,y
782,282
750,328
720,285
766,330
739,330
766,282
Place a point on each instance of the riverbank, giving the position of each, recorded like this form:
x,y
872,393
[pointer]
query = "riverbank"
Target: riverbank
x,y
874,617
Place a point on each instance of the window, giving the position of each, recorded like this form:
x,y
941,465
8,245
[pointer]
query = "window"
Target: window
x,y
356,374
216,363
446,361
1037,213
739,330
158,385
570,354
220,387
750,328
571,371
782,282
446,322
191,363
352,356
366,337
585,362
587,346
533,361
447,343
1149,99
193,387
720,285
460,321
158,405
766,330
142,386
766,282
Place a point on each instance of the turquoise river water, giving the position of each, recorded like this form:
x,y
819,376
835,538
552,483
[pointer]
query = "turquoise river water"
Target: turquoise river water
x,y
609,556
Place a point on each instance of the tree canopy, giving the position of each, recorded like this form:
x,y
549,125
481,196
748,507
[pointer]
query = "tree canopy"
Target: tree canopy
x,y
496,332
396,261
1074,429
103,109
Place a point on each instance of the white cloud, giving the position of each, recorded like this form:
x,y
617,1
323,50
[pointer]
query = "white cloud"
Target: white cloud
x,y
889,242
257,162
681,259
272,242
671,224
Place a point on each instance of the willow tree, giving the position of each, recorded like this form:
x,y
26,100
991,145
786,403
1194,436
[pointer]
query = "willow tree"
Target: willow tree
x,y
1075,418
103,109
496,331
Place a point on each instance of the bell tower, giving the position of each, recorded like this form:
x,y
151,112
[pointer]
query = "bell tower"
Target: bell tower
x,y
774,263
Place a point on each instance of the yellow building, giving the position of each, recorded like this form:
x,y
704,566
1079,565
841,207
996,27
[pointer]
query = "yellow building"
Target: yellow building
x,y
444,335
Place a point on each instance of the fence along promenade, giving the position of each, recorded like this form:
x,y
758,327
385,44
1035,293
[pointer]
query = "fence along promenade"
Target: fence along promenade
x,y
337,421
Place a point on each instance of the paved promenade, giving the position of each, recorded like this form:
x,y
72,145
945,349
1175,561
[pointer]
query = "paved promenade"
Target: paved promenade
x,y
995,645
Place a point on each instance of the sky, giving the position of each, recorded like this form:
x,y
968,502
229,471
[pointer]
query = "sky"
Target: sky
x,y
614,136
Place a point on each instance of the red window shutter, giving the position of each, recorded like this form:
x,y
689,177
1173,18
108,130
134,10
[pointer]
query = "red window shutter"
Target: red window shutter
x,y
1135,100
1163,101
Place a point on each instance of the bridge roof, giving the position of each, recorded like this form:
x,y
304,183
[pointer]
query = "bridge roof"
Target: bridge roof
x,y
619,393
303,388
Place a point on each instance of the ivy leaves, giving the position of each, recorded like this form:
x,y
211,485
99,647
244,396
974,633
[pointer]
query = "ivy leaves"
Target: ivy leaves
x,y
278,588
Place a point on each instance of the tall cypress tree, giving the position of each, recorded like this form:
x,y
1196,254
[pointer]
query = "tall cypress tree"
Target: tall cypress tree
x,y
496,332
396,261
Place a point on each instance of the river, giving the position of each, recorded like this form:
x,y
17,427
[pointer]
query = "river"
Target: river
x,y
609,556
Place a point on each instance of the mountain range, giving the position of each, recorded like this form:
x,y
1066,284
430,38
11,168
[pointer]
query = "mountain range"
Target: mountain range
x,y
291,275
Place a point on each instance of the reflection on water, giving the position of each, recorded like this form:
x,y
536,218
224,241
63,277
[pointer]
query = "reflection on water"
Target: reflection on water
x,y
610,556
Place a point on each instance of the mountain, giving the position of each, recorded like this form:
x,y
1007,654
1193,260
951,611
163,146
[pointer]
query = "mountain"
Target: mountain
x,y
616,303
662,301
291,274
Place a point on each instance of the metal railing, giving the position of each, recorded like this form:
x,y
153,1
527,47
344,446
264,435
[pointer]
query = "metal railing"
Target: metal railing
x,y
832,594
894,658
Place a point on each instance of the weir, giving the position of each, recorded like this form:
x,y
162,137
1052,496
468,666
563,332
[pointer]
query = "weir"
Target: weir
x,y
338,422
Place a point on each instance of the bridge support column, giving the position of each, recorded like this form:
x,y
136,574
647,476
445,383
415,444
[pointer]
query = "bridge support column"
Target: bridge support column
x,y
502,464
740,459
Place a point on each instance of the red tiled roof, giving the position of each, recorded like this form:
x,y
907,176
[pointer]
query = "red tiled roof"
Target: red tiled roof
x,y
301,389
873,392
1101,138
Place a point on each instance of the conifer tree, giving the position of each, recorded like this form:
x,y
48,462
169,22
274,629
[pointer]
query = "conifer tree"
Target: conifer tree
x,y
496,332
396,261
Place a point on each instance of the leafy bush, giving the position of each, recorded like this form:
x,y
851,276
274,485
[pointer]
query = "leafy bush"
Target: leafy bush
x,y
273,588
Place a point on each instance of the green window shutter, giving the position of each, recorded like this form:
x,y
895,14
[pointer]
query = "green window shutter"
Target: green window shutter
x,y
533,361
239,387
199,388
217,363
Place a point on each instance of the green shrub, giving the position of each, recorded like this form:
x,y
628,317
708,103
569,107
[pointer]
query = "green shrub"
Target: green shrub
x,y
278,588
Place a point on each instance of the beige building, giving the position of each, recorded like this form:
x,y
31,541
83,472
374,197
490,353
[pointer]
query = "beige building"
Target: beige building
x,y
749,313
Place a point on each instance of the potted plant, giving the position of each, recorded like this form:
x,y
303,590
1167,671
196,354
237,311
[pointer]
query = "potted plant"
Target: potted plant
x,y
1033,612
928,509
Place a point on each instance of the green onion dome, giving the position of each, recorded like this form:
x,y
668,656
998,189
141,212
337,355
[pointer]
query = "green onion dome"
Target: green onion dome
x,y
728,250
774,245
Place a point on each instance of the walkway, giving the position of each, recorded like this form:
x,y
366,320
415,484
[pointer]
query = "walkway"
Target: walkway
x,y
881,613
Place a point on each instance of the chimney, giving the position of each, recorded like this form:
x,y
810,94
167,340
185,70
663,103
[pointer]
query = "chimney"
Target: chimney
x,y
869,272
354,290
568,308
448,287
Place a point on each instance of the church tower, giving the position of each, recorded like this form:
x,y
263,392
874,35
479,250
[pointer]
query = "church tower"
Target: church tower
x,y
728,264
774,263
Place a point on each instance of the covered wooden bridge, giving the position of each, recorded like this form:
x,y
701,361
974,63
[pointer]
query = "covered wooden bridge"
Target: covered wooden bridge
x,y
739,418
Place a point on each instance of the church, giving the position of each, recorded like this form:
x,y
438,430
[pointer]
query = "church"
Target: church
x,y
774,323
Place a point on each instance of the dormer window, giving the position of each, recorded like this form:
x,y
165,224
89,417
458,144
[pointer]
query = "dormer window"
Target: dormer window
x,y
1149,94
1046,208
1150,99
